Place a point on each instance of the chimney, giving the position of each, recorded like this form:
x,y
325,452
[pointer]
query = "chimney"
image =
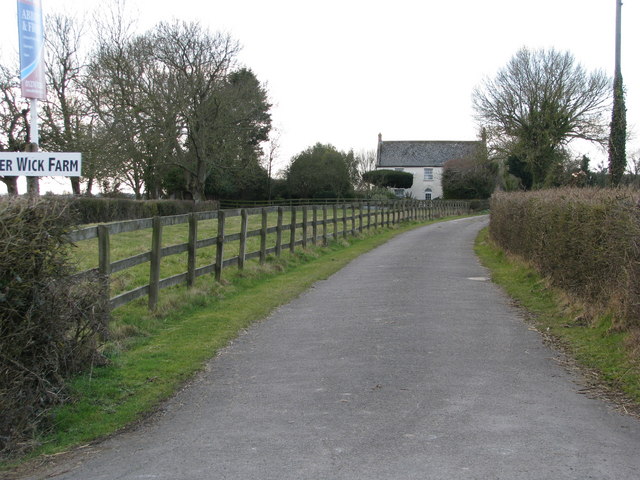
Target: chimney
x,y
378,150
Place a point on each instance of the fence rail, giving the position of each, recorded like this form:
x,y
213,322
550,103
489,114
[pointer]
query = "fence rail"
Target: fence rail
x,y
308,223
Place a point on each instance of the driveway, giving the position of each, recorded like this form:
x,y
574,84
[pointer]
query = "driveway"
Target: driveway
x,y
406,364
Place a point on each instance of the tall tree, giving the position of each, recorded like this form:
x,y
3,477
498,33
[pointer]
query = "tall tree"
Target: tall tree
x,y
127,91
538,103
618,135
197,64
320,171
242,125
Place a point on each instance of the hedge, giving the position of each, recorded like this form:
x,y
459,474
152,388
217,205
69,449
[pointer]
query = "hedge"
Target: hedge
x,y
99,210
587,241
389,178
50,321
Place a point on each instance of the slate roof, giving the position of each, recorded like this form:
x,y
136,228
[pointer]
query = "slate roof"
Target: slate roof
x,y
423,153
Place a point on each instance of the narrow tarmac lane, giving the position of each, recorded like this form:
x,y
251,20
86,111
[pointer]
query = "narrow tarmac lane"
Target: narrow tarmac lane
x,y
407,364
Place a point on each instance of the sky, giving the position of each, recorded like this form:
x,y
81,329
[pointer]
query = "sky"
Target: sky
x,y
343,71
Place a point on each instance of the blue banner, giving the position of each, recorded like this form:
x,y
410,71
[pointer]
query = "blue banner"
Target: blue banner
x,y
31,38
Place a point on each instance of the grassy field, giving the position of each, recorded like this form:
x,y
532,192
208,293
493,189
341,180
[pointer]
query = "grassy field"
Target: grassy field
x,y
603,354
151,354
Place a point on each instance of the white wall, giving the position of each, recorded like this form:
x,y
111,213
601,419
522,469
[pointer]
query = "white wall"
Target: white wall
x,y
420,185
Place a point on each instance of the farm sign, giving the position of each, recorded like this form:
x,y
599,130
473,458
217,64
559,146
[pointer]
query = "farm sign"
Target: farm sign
x,y
40,164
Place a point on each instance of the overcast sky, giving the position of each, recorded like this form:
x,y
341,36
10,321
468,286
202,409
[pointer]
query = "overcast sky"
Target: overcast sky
x,y
342,71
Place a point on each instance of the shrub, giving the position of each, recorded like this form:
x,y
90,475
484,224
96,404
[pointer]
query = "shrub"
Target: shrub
x,y
389,178
468,179
587,241
50,321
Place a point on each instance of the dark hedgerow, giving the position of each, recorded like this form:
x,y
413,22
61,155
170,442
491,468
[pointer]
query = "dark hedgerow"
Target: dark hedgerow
x,y
101,210
50,321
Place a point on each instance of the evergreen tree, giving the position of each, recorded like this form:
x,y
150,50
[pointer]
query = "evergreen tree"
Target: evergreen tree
x,y
618,136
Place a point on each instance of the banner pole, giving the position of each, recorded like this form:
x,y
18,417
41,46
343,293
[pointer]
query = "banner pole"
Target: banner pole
x,y
34,133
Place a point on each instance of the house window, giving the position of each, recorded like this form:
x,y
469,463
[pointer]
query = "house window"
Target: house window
x,y
428,174
399,169
427,194
399,192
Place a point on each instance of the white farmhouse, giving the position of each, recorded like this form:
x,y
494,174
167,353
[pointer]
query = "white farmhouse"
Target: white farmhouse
x,y
425,160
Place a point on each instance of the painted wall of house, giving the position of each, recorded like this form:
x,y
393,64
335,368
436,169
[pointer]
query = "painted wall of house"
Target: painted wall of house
x,y
420,185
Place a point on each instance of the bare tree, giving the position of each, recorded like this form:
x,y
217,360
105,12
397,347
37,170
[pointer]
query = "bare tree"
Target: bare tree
x,y
197,64
14,123
271,154
633,169
538,103
126,90
66,120
366,162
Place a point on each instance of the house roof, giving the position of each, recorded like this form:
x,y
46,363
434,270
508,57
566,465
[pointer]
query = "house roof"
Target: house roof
x,y
423,153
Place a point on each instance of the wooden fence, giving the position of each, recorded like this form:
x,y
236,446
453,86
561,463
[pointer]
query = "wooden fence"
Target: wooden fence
x,y
315,224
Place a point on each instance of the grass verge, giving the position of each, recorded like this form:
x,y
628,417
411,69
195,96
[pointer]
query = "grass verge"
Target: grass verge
x,y
152,354
603,355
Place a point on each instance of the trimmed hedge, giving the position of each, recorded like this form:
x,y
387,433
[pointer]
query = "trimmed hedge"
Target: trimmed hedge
x,y
50,321
100,210
389,178
587,241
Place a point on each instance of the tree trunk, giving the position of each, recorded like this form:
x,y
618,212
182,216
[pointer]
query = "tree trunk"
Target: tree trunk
x,y
75,185
11,183
89,186
33,183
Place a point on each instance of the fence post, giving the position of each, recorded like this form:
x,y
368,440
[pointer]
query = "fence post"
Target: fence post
x,y
279,232
314,226
104,250
344,220
292,237
263,237
353,219
324,226
104,259
335,221
156,256
220,245
305,226
387,208
242,250
375,214
191,249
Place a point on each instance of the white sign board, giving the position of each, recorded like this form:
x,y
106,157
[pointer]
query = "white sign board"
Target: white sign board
x,y
40,164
